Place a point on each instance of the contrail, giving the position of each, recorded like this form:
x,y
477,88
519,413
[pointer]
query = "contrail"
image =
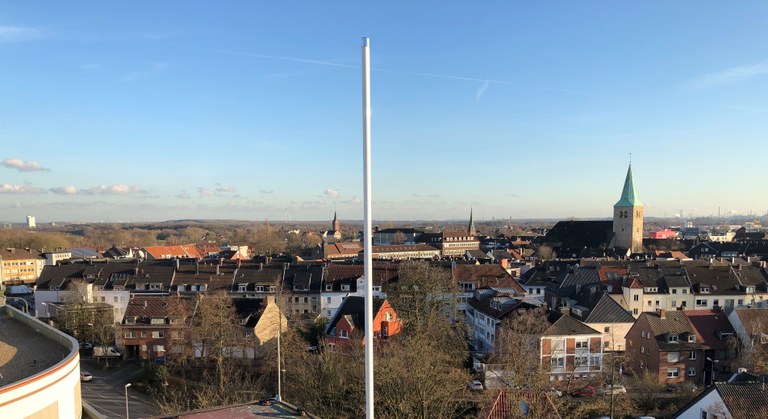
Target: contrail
x,y
380,70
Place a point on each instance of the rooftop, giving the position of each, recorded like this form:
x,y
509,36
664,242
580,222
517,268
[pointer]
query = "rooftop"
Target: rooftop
x,y
24,352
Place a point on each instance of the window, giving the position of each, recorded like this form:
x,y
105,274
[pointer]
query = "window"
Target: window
x,y
306,300
672,338
158,348
692,355
691,338
642,333
241,288
649,303
558,362
157,320
582,344
692,371
130,334
673,356
702,302
328,300
345,287
673,372
259,288
115,299
636,297
158,334
143,334
674,290
143,348
674,303
343,334
607,329
685,290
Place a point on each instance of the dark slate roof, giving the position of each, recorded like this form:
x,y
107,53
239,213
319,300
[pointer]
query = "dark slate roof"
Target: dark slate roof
x,y
602,308
562,325
724,278
306,278
580,277
506,305
580,234
744,400
354,307
249,309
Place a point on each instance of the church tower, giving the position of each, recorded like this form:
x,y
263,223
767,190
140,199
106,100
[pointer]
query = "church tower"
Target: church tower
x,y
628,218
336,223
471,228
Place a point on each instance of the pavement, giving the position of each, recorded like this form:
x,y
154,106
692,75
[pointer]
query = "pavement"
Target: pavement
x,y
106,393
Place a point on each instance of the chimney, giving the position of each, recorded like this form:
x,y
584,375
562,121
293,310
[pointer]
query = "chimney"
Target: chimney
x,y
662,313
145,303
564,309
218,270
176,263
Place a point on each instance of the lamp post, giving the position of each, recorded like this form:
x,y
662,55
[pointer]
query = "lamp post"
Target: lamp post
x,y
126,400
712,363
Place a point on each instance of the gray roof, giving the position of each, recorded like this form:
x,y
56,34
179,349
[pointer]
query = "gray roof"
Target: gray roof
x,y
605,309
581,277
563,325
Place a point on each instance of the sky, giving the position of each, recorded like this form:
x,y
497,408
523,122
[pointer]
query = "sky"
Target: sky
x,y
150,111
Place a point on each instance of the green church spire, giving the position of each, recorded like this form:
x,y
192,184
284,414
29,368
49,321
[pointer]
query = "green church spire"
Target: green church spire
x,y
628,195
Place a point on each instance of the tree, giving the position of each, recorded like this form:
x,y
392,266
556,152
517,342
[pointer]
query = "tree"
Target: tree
x,y
419,373
517,348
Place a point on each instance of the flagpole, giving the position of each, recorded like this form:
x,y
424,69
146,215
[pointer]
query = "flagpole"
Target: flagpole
x,y
367,260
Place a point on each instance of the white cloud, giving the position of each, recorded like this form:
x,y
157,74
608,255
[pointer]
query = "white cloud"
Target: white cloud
x,y
482,90
183,195
119,189
225,189
64,190
23,166
729,76
19,33
8,188
332,193
266,191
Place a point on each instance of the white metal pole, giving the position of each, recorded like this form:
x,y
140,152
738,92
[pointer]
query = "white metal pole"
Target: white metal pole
x,y
367,261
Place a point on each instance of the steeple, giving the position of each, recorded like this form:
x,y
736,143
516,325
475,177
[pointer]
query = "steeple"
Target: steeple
x,y
336,223
471,228
628,196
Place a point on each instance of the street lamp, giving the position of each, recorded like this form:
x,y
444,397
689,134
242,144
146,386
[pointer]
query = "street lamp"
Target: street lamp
x,y
126,400
712,370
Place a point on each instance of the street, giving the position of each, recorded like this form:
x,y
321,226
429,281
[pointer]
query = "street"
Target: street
x,y
106,393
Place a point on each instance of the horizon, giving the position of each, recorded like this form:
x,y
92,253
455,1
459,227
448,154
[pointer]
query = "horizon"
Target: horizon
x,y
253,110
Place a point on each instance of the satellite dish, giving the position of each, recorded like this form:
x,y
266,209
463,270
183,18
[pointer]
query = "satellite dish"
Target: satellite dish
x,y
524,408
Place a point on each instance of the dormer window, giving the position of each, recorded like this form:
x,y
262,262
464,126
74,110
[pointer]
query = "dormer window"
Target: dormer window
x,y
329,287
345,287
672,338
750,290
691,338
705,290
241,287
259,288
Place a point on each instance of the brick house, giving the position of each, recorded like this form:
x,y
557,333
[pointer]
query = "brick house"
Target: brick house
x,y
349,321
665,343
149,328
570,350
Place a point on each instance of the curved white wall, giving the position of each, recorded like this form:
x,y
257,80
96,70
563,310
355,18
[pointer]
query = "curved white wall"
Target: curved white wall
x,y
52,393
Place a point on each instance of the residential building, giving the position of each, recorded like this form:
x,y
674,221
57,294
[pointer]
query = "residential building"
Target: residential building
x,y
599,311
473,277
57,256
349,322
484,314
153,327
570,350
739,399
666,344
404,252
20,266
751,328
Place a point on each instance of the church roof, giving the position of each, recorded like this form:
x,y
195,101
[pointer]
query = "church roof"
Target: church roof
x,y
628,195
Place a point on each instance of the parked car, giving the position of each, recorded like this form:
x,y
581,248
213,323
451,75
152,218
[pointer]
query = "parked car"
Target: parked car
x,y
612,389
586,391
106,352
475,385
85,376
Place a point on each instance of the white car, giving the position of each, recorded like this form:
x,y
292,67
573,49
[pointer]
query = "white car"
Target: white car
x,y
614,389
475,385
85,376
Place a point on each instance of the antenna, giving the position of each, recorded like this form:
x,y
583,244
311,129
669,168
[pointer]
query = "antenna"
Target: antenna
x,y
630,159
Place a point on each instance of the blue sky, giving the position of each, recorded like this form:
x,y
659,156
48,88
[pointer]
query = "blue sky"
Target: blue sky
x,y
137,111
